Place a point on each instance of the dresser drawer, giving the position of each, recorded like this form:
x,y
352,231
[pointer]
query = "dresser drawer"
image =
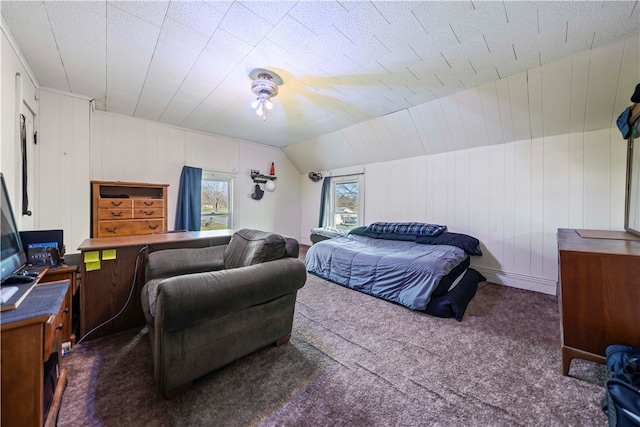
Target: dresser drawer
x,y
130,227
115,203
148,203
148,213
115,214
53,330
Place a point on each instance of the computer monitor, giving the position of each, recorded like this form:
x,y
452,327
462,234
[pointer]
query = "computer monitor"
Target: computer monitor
x,y
12,254
38,245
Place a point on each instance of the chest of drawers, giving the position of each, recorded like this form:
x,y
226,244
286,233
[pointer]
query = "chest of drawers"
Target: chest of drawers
x,y
599,292
127,208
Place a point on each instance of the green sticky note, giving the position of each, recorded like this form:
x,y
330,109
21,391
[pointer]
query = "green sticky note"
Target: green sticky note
x,y
109,254
93,265
92,256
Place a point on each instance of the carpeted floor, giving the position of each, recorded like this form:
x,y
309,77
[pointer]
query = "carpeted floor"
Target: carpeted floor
x,y
355,360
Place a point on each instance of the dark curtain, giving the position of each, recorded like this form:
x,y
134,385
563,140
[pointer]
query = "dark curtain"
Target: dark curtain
x,y
189,204
324,199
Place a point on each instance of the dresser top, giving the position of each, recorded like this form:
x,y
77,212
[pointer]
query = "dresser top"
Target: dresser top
x,y
598,241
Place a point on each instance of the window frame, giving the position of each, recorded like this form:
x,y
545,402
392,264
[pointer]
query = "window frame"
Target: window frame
x,y
331,211
220,177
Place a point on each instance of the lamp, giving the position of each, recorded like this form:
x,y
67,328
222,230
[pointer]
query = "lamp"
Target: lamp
x,y
264,86
315,176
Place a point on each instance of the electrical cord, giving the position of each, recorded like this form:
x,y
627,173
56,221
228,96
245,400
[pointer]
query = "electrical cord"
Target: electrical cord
x,y
133,285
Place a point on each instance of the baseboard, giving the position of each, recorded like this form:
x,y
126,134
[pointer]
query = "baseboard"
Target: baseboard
x,y
520,281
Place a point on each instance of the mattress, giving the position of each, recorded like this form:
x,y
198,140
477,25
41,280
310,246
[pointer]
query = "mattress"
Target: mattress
x,y
417,276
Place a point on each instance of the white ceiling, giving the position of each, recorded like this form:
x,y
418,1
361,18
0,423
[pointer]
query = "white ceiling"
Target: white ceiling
x,y
187,63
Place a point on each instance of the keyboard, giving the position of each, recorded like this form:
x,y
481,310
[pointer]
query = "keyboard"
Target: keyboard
x,y
7,292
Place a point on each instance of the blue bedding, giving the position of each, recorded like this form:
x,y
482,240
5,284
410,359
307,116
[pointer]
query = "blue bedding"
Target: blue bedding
x,y
401,271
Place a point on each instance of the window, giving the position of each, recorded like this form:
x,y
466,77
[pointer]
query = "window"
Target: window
x,y
216,201
346,202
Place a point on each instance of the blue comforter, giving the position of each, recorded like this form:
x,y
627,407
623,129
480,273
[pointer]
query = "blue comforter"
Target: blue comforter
x,y
401,271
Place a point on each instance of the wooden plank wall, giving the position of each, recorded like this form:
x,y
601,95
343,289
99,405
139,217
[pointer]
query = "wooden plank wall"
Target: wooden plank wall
x,y
78,146
530,156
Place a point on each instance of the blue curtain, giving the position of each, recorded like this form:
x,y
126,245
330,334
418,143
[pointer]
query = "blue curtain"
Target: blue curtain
x,y
324,200
188,211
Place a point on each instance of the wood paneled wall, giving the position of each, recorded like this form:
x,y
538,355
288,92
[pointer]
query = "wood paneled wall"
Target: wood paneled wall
x,y
580,93
79,146
513,197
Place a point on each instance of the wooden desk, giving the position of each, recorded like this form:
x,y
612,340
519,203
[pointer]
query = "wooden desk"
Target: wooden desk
x,y
116,284
599,293
30,336
56,274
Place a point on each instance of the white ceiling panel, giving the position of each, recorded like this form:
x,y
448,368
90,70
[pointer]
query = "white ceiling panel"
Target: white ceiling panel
x,y
579,82
603,81
472,117
556,97
342,63
491,113
201,17
151,12
239,18
318,16
42,52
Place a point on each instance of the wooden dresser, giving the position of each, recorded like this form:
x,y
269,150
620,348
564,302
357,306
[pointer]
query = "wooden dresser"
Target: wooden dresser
x,y
127,208
599,292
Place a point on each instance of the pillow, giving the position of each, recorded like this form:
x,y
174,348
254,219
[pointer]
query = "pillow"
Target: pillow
x,y
469,244
358,231
454,303
413,228
328,232
389,236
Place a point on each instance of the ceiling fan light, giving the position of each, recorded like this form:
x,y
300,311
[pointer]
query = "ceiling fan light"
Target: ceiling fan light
x,y
264,86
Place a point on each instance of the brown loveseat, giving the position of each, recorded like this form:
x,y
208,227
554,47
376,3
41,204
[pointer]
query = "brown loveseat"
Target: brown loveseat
x,y
207,307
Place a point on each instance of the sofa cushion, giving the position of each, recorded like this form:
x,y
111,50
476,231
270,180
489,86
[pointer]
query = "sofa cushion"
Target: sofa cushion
x,y
249,247
175,262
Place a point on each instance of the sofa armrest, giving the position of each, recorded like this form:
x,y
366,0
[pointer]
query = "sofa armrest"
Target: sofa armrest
x,y
174,262
187,300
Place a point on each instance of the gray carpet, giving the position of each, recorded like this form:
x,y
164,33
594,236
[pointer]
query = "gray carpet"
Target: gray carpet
x,y
355,360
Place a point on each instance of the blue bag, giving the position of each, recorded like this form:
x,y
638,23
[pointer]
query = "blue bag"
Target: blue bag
x,y
621,401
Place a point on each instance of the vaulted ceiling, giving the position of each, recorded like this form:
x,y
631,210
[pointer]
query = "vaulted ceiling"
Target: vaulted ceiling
x,y
187,63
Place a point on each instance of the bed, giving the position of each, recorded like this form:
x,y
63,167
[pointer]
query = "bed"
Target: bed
x,y
420,266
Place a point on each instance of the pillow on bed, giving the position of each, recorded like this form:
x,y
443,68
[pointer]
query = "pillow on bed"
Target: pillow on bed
x,y
454,303
358,231
412,228
469,244
389,236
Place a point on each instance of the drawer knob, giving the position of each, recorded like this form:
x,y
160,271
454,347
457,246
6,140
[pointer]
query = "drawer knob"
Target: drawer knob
x,y
153,227
66,310
148,212
148,203
111,230
116,213
116,203
60,326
